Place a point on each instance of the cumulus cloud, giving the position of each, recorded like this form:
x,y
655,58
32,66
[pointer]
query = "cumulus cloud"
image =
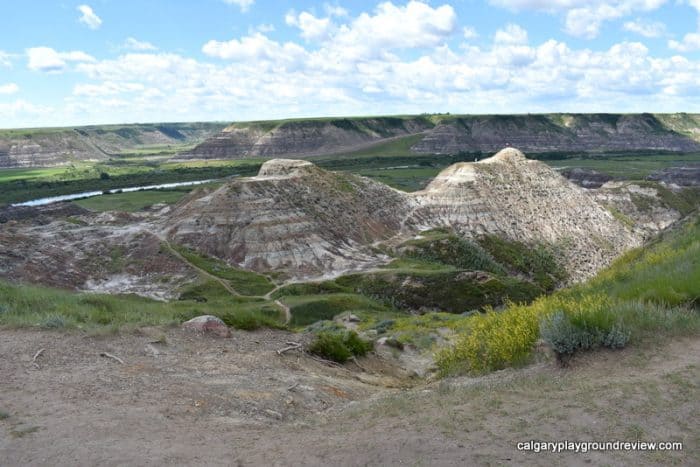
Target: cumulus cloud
x,y
311,27
133,44
358,65
9,88
88,17
583,18
511,34
48,60
689,43
257,47
645,28
244,5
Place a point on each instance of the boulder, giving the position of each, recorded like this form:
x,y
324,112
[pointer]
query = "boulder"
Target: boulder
x,y
207,324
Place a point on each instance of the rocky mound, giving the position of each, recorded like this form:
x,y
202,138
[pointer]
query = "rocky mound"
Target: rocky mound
x,y
298,218
525,200
292,217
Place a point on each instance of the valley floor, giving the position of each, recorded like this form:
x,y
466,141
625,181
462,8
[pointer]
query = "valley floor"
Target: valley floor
x,y
183,400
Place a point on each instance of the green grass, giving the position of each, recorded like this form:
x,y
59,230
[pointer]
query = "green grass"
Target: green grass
x,y
133,201
400,146
8,175
27,185
308,309
244,282
35,306
652,293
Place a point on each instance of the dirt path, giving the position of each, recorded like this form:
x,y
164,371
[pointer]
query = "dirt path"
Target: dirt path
x,y
194,401
179,256
285,309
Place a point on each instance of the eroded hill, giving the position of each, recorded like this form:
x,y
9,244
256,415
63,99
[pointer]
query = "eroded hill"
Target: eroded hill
x,y
48,147
446,134
297,222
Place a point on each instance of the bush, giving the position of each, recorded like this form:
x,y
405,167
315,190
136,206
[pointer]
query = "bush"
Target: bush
x,y
339,346
583,331
53,322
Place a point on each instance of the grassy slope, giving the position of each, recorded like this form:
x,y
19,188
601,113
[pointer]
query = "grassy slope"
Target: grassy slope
x,y
651,292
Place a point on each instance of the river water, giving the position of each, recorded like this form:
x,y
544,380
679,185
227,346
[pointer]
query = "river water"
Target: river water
x,y
90,194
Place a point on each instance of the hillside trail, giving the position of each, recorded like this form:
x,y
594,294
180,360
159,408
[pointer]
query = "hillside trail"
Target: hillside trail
x,y
284,308
235,401
204,272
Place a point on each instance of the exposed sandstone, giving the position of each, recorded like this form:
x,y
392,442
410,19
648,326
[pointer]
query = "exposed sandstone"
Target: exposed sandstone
x,y
446,134
309,222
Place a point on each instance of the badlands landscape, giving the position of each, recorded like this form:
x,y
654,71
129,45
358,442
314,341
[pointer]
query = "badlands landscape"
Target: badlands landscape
x,y
430,287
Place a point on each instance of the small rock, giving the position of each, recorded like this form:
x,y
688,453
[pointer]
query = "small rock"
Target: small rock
x,y
207,324
353,318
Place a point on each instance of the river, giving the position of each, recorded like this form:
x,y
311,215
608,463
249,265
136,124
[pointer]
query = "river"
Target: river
x,y
90,194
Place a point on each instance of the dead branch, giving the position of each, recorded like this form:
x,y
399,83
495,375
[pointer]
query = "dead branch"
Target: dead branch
x,y
113,357
290,346
37,355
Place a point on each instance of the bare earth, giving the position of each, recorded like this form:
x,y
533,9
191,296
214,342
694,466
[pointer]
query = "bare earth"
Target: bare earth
x,y
200,401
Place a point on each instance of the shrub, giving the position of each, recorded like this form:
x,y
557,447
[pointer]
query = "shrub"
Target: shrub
x,y
339,346
496,340
53,322
583,331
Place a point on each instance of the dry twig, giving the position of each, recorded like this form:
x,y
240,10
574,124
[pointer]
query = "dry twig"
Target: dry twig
x,y
290,346
37,355
113,357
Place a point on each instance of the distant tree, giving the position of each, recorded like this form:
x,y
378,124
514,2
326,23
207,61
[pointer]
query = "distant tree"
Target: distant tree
x,y
104,176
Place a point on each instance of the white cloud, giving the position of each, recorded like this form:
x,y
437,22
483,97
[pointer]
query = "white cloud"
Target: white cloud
x,y
645,28
9,88
133,44
256,47
48,60
414,25
5,59
357,66
23,113
511,34
312,28
335,10
106,89
244,5
469,32
88,17
583,18
689,43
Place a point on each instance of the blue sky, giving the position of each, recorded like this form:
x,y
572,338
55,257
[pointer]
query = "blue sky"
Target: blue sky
x,y
109,61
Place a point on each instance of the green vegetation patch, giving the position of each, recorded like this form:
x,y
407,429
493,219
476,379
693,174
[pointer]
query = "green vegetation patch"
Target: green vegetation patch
x,y
441,246
536,261
307,309
451,291
244,282
648,293
36,306
133,201
339,346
